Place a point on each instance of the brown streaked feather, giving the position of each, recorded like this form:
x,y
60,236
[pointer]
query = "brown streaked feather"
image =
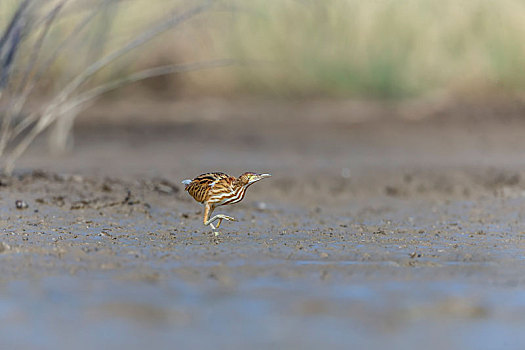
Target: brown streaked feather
x,y
206,185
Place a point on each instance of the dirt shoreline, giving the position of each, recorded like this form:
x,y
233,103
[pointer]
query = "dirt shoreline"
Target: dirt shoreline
x,y
387,233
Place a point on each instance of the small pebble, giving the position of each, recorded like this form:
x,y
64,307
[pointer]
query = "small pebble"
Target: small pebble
x,y
21,204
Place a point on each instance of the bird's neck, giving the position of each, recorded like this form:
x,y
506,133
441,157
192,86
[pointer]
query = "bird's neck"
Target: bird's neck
x,y
239,183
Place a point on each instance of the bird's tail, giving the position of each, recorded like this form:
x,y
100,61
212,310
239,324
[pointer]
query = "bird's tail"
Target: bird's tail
x,y
186,183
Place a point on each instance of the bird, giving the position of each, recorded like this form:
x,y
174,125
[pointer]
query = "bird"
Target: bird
x,y
215,189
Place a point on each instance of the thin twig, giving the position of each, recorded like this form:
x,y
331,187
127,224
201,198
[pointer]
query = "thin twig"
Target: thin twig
x,y
10,41
146,74
38,45
56,107
139,41
21,95
23,125
14,21
66,41
96,92
26,122
73,108
74,33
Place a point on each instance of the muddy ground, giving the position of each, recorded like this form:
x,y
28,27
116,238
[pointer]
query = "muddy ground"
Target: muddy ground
x,y
382,227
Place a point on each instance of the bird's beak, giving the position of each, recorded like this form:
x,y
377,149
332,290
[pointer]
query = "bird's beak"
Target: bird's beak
x,y
259,177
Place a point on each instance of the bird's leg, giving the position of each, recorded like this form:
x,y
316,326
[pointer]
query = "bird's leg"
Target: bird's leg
x,y
208,210
219,220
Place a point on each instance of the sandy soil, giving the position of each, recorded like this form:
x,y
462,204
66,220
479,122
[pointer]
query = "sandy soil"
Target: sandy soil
x,y
382,227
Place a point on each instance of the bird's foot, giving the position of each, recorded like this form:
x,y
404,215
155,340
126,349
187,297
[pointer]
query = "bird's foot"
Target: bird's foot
x,y
225,217
215,229
219,218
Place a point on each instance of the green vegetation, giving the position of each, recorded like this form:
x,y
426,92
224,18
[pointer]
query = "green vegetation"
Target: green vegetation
x,y
341,48
385,48
57,56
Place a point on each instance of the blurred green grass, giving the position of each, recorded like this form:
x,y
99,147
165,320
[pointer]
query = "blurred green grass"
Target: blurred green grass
x,y
331,48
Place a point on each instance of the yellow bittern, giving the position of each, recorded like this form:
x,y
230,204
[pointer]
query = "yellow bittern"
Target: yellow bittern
x,y
216,189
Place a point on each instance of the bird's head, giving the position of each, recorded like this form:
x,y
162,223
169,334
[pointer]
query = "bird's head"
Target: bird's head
x,y
249,178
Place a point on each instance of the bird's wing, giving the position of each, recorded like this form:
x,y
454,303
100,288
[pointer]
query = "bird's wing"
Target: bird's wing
x,y
201,185
210,179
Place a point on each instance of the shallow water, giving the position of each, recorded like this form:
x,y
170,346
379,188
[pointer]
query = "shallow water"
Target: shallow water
x,y
68,312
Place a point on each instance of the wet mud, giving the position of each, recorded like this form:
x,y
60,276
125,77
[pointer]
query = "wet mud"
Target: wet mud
x,y
370,234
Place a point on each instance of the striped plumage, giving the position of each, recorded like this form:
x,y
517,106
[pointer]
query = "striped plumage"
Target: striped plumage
x,y
216,189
